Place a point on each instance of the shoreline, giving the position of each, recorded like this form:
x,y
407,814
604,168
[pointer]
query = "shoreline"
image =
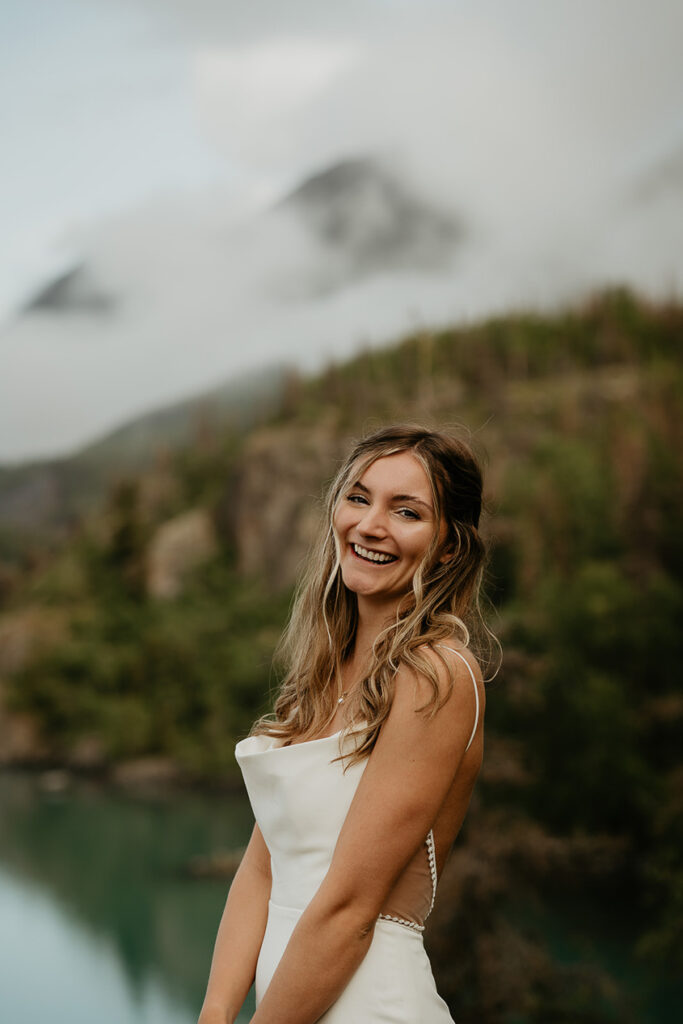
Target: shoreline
x,y
143,776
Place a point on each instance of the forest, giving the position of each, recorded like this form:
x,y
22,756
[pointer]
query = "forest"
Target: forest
x,y
146,636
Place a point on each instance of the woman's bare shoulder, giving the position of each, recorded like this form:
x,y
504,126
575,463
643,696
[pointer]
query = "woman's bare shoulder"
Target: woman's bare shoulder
x,y
454,672
455,645
435,652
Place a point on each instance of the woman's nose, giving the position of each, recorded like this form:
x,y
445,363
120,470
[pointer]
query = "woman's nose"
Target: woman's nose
x,y
373,522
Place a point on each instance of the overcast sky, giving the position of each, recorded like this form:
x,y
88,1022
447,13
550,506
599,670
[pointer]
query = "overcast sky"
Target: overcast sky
x,y
537,120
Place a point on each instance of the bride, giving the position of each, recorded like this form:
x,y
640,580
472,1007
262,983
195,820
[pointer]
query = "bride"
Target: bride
x,y
362,776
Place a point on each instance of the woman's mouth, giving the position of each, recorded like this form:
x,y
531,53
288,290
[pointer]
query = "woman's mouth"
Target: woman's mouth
x,y
374,557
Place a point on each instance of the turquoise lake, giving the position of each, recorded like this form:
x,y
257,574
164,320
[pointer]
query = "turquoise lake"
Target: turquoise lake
x,y
99,920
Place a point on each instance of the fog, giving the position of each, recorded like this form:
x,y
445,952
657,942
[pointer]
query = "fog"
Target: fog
x,y
537,147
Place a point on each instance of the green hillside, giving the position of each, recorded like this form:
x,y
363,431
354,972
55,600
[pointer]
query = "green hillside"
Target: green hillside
x,y
150,633
41,500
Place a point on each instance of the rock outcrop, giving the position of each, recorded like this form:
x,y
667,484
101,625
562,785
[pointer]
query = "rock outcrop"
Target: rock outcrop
x,y
177,548
277,498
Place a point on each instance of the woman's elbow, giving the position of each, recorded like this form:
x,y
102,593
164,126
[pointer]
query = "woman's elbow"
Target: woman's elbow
x,y
353,913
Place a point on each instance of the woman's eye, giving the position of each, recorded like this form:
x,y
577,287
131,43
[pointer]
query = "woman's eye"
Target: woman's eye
x,y
409,513
356,497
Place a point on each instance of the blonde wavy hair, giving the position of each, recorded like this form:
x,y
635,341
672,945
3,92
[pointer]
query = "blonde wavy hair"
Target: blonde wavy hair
x,y
445,600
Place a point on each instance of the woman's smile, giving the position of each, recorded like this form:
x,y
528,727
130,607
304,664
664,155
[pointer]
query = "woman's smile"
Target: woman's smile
x,y
373,557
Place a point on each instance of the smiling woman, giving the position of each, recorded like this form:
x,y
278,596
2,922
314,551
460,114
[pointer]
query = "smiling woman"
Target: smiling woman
x,y
361,778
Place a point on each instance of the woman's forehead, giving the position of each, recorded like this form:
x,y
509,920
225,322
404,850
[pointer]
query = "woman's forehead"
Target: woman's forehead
x,y
400,471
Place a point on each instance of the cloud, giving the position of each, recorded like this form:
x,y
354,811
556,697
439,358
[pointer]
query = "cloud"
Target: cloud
x,y
268,80
530,122
524,110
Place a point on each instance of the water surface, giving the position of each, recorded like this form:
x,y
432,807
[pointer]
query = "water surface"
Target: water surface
x,y
99,919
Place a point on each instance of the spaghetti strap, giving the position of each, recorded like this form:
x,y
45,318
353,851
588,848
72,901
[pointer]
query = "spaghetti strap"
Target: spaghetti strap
x,y
476,691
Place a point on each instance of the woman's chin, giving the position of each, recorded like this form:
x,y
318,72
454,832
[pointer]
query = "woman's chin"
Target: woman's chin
x,y
361,586
358,583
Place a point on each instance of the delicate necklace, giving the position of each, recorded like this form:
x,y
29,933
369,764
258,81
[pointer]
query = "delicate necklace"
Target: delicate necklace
x,y
342,694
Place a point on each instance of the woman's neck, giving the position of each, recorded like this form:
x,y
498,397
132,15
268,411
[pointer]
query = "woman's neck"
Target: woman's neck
x,y
372,619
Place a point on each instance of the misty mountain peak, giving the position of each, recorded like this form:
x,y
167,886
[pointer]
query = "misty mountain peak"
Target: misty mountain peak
x,y
360,210
70,291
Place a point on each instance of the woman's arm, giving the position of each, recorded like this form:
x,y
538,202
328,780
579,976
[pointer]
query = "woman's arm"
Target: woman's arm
x,y
406,780
240,935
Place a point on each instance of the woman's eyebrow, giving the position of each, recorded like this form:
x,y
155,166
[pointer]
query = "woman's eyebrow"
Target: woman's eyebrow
x,y
412,497
396,497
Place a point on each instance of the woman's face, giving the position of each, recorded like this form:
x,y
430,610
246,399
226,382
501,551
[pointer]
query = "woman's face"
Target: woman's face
x,y
385,522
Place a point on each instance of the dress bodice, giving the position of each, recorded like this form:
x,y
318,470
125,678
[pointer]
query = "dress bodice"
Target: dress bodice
x,y
300,797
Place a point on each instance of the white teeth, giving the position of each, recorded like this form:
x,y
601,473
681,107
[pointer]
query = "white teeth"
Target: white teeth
x,y
373,556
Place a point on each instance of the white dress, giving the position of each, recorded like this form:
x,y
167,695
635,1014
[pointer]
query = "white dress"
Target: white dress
x,y
300,798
